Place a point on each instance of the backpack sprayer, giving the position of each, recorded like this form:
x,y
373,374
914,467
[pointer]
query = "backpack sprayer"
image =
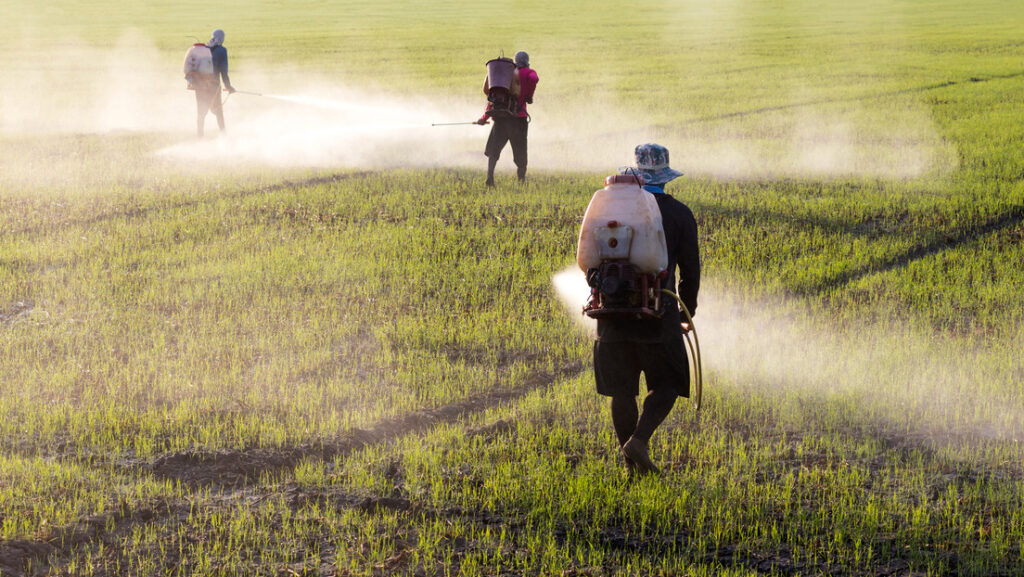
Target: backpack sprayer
x,y
623,252
502,89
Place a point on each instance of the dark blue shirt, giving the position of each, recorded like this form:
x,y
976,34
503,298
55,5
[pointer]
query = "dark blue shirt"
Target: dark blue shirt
x,y
220,64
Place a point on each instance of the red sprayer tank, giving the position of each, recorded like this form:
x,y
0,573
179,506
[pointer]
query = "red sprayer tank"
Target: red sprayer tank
x,y
500,73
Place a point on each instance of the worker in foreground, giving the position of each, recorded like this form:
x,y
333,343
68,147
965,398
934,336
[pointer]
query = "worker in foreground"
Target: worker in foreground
x,y
652,345
205,66
507,100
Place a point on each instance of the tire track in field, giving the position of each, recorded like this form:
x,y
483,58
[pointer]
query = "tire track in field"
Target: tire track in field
x,y
18,555
861,98
235,467
231,470
668,129
948,241
135,212
614,538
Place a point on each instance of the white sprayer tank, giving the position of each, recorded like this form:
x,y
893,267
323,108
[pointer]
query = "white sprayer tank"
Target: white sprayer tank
x,y
198,59
623,221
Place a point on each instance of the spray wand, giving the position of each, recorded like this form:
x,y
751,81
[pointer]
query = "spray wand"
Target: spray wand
x,y
238,92
453,123
694,347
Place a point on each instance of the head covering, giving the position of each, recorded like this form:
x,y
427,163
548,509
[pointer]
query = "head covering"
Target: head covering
x,y
652,164
216,39
522,59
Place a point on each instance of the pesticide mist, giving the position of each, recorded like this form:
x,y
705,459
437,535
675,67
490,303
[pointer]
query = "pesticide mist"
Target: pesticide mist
x,y
288,120
941,386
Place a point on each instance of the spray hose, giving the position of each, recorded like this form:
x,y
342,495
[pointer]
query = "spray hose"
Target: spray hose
x,y
697,377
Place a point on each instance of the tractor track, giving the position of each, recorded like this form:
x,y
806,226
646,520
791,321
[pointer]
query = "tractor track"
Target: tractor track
x,y
229,473
1013,217
235,467
668,130
861,98
233,477
620,536
136,212
24,557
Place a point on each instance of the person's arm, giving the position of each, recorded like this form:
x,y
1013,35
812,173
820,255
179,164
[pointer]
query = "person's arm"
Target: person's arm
x,y
529,86
221,64
688,259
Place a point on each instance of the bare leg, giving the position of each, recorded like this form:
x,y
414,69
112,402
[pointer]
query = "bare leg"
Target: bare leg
x,y
624,417
657,405
491,163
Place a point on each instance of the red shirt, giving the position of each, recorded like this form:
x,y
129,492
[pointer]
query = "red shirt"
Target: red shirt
x,y
527,84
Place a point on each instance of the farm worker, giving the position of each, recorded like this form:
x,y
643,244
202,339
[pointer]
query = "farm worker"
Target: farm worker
x,y
654,346
511,129
208,85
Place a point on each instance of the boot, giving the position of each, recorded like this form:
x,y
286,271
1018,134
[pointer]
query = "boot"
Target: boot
x,y
521,173
636,450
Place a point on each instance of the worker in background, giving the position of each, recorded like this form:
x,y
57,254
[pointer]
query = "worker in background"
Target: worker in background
x,y
511,129
208,86
624,348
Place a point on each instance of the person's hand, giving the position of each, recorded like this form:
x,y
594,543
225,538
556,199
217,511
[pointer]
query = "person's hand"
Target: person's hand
x,y
482,120
230,89
686,327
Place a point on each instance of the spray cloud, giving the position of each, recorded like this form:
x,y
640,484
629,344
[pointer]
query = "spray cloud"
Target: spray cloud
x,y
941,386
75,87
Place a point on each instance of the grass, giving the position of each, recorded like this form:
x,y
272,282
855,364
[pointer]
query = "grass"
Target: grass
x,y
251,370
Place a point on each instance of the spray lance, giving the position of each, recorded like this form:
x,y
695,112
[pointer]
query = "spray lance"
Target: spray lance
x,y
477,122
230,92
500,79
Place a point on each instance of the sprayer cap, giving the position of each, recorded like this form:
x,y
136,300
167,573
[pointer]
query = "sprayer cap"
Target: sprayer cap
x,y
623,179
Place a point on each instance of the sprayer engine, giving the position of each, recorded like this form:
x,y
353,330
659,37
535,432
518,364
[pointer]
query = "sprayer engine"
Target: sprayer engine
x,y
619,290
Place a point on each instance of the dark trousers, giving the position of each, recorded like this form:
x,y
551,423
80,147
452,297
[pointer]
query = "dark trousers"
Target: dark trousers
x,y
512,130
208,100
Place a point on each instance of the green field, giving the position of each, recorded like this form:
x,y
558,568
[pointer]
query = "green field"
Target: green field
x,y
318,345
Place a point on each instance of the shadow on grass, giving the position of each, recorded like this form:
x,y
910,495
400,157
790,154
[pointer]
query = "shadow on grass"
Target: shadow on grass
x,y
931,243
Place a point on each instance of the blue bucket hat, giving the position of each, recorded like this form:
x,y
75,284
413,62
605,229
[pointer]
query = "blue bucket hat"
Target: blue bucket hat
x,y
652,164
